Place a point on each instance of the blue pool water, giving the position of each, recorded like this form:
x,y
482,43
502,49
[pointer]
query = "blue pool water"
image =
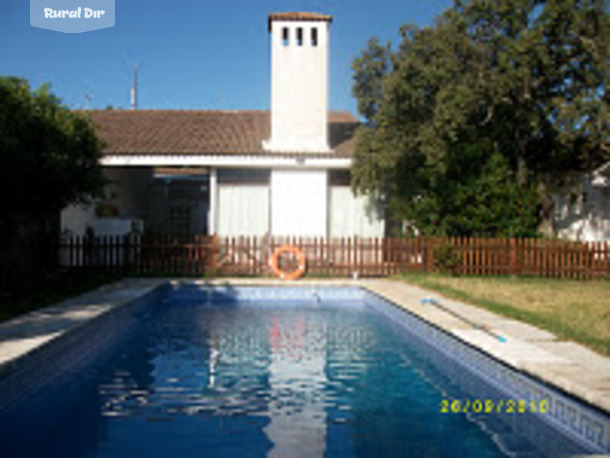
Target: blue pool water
x,y
200,376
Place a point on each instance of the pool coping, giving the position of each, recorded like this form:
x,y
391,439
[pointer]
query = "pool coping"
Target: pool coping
x,y
528,349
23,336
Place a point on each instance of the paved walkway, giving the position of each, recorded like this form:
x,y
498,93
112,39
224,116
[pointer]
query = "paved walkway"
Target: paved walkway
x,y
26,333
566,365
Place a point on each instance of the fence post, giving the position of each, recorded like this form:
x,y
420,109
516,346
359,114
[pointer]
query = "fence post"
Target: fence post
x,y
603,254
430,254
213,253
125,266
199,263
512,253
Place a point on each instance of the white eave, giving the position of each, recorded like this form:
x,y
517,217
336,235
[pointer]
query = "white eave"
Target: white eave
x,y
241,161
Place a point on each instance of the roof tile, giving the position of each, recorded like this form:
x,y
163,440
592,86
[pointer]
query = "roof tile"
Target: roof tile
x,y
170,132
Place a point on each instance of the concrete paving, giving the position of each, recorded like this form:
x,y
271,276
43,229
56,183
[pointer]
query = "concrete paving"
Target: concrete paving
x,y
568,366
26,333
565,365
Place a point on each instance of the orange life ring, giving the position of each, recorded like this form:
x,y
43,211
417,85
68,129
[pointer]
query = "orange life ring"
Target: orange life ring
x,y
300,270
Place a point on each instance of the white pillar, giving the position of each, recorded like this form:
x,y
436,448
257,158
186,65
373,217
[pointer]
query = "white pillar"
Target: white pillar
x,y
299,203
213,202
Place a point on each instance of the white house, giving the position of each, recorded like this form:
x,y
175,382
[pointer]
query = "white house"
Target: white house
x,y
283,172
585,217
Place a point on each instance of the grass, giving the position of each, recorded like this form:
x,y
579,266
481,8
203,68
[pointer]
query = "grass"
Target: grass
x,y
571,309
55,288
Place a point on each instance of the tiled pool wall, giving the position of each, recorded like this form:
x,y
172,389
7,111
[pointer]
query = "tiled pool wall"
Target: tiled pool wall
x,y
231,294
575,419
456,382
40,371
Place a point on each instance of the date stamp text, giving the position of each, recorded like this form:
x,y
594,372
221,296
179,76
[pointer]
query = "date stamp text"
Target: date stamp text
x,y
494,406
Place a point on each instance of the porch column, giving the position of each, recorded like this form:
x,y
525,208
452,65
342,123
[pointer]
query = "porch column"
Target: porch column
x,y
213,202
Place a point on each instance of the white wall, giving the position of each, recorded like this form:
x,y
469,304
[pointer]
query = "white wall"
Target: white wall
x,y
76,218
242,209
112,226
588,217
128,192
354,215
299,202
299,88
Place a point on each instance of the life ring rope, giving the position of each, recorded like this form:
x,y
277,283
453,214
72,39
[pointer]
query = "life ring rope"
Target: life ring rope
x,y
275,258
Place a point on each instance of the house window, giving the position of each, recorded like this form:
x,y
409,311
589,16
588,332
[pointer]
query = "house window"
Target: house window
x,y
314,36
285,40
300,36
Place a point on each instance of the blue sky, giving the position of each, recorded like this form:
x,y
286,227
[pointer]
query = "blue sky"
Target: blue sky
x,y
193,54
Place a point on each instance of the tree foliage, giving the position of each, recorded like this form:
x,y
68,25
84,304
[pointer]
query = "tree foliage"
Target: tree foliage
x,y
49,154
474,122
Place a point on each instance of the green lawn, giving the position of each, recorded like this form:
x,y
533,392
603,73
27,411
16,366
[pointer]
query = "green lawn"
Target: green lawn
x,y
571,309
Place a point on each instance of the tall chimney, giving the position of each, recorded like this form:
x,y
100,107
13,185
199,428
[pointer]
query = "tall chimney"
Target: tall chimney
x,y
299,82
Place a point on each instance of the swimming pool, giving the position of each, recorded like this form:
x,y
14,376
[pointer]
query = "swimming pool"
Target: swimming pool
x,y
252,371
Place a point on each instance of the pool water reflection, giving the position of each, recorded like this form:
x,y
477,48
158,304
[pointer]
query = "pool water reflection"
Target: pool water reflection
x,y
275,379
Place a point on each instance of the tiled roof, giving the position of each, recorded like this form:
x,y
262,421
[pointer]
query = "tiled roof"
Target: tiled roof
x,y
299,16
170,132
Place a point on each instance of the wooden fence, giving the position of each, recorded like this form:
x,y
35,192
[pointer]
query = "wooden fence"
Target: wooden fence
x,y
364,257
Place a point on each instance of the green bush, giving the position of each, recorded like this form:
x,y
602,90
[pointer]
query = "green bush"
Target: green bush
x,y
446,258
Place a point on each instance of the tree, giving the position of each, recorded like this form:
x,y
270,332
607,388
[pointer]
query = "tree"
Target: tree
x,y
49,159
474,122
49,154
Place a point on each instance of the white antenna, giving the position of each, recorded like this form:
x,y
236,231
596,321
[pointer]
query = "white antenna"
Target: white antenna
x,y
88,99
134,89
